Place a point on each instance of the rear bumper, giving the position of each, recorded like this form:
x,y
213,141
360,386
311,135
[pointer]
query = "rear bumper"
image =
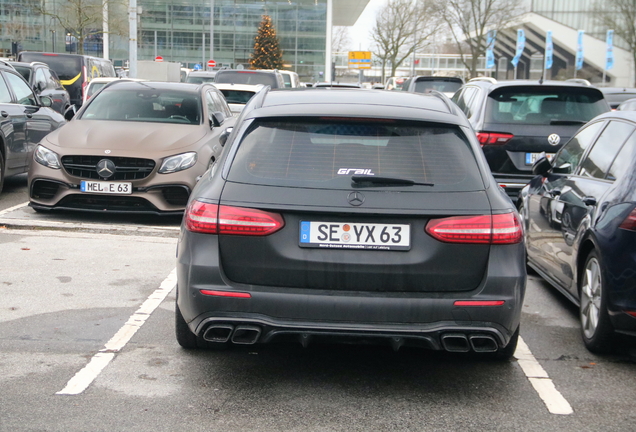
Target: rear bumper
x,y
426,318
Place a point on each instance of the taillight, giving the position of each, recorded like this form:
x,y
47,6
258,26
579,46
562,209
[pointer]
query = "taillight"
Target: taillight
x,y
485,229
630,222
493,138
214,219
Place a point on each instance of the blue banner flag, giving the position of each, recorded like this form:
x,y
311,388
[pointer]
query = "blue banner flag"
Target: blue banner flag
x,y
490,46
549,49
579,51
521,44
609,58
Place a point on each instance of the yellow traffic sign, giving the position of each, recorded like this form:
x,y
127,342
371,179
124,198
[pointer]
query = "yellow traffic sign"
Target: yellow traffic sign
x,y
360,59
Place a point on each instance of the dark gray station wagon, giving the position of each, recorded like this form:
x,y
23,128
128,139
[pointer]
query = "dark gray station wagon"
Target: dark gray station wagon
x,y
351,214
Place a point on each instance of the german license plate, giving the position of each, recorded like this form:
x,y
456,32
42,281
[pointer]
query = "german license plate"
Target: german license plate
x,y
531,158
346,235
115,188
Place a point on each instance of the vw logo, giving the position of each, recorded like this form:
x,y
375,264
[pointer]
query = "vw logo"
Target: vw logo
x,y
554,139
355,198
105,168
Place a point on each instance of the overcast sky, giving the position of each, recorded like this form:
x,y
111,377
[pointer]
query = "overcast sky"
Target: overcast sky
x,y
359,33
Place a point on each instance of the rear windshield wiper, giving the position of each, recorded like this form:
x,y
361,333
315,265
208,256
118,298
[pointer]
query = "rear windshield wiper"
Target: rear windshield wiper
x,y
388,181
567,122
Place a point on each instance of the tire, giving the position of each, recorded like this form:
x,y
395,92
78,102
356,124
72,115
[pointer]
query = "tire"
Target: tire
x,y
1,171
596,328
185,337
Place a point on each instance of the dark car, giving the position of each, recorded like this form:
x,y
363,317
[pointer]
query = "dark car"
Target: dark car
x,y
516,121
74,70
25,119
580,222
357,215
272,78
134,147
44,82
426,83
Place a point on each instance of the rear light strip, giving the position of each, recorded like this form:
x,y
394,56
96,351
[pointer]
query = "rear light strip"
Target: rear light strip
x,y
214,219
493,138
478,303
225,294
485,229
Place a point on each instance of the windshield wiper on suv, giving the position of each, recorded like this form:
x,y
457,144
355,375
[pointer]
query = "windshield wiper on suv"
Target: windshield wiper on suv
x,y
361,180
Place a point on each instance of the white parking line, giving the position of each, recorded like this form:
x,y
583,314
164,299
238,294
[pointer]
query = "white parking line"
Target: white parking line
x,y
538,377
87,375
16,207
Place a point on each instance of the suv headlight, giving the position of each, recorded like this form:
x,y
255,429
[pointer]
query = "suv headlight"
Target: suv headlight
x,y
178,162
46,157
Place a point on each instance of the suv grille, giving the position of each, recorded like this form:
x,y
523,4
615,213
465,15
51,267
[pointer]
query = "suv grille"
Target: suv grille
x,y
126,168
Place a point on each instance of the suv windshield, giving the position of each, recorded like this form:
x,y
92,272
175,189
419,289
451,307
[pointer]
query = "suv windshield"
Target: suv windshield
x,y
544,105
150,105
246,77
328,152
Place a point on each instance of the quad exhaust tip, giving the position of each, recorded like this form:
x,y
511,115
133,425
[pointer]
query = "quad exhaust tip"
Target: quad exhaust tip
x,y
483,343
455,342
219,333
246,335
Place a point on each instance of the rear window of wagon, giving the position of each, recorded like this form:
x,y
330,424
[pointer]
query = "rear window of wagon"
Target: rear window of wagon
x,y
325,153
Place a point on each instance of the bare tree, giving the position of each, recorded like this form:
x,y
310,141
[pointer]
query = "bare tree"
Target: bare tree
x,y
470,20
620,16
83,18
340,40
401,27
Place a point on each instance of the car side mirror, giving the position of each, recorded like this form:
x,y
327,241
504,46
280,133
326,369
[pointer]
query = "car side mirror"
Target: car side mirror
x,y
216,119
542,166
70,113
224,136
46,101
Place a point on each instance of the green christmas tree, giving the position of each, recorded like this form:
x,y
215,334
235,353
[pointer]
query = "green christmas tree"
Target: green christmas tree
x,y
267,53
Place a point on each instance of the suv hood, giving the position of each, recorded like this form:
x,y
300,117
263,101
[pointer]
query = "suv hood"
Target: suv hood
x,y
100,134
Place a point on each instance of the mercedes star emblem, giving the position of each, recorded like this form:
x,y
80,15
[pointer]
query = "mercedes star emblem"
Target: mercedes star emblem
x,y
355,198
105,168
107,151
554,139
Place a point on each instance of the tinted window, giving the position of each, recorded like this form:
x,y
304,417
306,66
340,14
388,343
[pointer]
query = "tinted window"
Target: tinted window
x,y
66,67
624,161
150,105
599,159
567,159
199,79
246,77
442,86
25,72
237,96
287,80
544,105
464,99
326,154
21,89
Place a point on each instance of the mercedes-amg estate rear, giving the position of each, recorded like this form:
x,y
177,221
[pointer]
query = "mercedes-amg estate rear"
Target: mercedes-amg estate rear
x,y
353,214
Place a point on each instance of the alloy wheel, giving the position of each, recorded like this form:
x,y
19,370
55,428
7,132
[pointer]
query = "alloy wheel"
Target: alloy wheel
x,y
591,292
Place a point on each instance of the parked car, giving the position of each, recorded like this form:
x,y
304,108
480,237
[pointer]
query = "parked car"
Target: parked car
x,y
516,121
272,78
628,105
199,77
96,84
25,119
579,216
423,84
616,95
74,70
354,215
237,95
136,147
395,83
291,79
44,82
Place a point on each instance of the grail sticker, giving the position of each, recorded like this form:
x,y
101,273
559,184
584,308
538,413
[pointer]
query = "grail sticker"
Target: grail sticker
x,y
355,171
